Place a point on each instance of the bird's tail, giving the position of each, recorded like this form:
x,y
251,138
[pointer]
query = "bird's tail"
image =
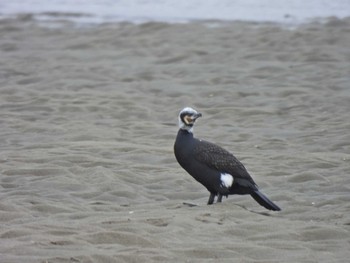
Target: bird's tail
x,y
264,201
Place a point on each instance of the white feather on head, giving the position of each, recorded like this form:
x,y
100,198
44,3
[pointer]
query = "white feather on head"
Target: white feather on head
x,y
191,116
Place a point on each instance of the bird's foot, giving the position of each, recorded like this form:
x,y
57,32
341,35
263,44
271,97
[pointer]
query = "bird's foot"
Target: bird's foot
x,y
219,198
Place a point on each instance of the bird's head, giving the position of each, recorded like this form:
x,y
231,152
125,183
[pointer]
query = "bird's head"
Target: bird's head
x,y
187,118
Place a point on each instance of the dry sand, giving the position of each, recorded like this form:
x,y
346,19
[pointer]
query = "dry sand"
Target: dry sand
x,y
88,118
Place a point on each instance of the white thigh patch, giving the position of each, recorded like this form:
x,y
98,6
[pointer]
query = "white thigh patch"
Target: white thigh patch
x,y
226,180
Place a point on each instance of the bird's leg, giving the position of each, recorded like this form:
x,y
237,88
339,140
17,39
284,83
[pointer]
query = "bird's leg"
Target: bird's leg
x,y
211,199
219,198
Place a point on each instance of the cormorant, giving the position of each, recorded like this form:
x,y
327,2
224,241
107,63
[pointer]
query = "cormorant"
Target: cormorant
x,y
214,167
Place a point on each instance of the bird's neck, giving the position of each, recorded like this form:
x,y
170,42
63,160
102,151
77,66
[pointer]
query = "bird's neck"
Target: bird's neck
x,y
185,132
183,145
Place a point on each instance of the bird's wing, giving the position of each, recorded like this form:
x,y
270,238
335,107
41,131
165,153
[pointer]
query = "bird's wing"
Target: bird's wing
x,y
218,158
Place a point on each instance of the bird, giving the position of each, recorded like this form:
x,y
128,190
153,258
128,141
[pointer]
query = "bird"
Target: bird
x,y
211,165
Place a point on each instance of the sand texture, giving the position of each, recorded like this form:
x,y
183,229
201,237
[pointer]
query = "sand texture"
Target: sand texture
x,y
88,119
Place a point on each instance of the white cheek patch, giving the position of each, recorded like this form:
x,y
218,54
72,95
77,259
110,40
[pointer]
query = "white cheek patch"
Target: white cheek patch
x,y
226,180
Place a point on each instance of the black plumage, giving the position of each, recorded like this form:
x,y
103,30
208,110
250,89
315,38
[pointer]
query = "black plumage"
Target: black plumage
x,y
214,167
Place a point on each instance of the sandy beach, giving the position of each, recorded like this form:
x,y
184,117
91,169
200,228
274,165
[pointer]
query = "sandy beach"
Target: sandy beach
x,y
88,119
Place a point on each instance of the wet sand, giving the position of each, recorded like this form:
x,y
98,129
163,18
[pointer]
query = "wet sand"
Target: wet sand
x,y
88,118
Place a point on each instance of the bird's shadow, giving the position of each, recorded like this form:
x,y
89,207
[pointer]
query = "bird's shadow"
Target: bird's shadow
x,y
242,206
